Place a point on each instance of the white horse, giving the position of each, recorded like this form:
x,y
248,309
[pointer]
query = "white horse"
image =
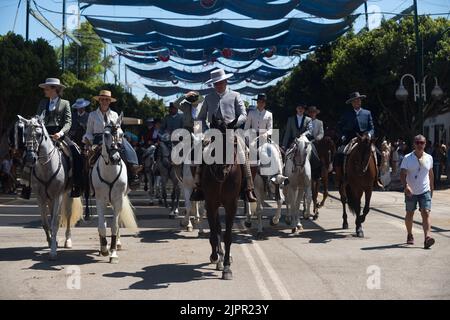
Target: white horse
x,y
148,158
50,182
269,177
167,172
298,171
109,179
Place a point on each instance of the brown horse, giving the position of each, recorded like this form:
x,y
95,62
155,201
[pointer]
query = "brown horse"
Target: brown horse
x,y
361,174
325,150
221,184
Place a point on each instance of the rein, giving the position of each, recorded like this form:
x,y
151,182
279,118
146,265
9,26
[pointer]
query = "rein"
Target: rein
x,y
109,184
47,183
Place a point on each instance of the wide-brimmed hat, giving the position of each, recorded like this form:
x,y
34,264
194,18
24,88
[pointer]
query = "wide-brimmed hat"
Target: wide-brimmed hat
x,y
105,94
354,96
302,105
80,103
199,100
52,82
313,109
218,75
261,96
150,120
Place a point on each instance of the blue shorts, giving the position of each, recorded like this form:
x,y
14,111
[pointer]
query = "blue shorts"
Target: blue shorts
x,y
423,199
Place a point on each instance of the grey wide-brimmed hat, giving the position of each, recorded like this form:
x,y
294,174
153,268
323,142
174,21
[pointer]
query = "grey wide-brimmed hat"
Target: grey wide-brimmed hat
x,y
52,82
354,96
80,103
218,75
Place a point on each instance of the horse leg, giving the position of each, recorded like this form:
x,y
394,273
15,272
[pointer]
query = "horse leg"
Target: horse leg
x,y
101,207
186,222
367,197
44,217
55,210
344,207
358,220
248,214
276,219
230,212
315,191
68,242
213,215
307,199
259,212
114,258
298,225
325,189
87,213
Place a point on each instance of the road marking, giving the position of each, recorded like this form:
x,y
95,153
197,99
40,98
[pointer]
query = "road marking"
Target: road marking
x,y
256,273
272,273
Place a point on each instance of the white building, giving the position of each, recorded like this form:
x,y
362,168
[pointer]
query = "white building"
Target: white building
x,y
437,128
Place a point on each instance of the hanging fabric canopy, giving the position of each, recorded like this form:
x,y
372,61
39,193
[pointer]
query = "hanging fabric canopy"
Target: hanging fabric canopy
x,y
256,9
174,90
295,26
262,73
221,41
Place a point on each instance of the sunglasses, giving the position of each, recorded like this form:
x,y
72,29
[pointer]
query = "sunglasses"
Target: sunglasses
x,y
419,143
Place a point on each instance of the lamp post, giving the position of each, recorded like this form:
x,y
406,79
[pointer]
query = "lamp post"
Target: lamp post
x,y
420,93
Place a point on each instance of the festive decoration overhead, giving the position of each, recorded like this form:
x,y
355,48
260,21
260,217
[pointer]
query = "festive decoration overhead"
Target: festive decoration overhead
x,y
256,9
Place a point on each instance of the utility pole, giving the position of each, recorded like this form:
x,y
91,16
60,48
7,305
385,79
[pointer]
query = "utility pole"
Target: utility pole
x,y
64,35
104,61
27,27
367,15
419,67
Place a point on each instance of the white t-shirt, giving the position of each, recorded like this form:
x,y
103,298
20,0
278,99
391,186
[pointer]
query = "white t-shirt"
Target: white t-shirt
x,y
417,176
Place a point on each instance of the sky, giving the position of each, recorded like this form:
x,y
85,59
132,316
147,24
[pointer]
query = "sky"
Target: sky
x,y
9,22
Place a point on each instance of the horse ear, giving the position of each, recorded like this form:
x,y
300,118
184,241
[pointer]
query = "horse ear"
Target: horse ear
x,y
119,120
22,119
41,117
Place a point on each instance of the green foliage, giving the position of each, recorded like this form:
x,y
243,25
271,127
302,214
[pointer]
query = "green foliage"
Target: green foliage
x,y
23,65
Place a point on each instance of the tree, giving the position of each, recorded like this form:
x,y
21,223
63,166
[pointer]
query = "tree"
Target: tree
x,y
23,65
86,61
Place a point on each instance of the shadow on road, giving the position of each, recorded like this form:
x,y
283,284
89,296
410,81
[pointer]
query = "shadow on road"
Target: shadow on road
x,y
392,246
163,275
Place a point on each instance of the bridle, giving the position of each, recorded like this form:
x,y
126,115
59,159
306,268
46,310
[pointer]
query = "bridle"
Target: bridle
x,y
299,164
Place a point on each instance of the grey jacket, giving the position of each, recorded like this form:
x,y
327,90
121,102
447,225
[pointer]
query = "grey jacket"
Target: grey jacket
x,y
172,123
230,104
293,130
79,125
60,117
186,107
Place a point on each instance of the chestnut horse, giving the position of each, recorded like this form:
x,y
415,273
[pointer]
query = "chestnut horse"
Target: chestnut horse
x,y
325,150
360,177
221,184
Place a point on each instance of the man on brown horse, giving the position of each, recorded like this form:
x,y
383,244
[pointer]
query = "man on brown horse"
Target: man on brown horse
x,y
227,106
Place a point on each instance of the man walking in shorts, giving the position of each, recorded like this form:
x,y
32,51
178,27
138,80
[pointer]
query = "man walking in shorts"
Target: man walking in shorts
x,y
417,178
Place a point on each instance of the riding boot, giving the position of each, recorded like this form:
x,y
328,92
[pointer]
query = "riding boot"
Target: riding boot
x,y
197,193
133,176
249,191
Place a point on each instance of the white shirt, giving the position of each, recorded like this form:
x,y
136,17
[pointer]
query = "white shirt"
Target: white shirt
x,y
96,123
317,129
299,120
417,176
52,104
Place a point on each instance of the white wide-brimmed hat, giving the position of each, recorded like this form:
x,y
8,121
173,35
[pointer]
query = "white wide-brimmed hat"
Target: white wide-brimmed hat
x,y
52,82
218,75
80,103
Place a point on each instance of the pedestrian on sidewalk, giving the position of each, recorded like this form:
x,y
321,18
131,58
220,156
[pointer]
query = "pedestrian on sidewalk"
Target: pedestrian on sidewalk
x,y
417,178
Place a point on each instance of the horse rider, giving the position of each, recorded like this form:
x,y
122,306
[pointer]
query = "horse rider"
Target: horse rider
x,y
297,125
57,121
97,121
225,105
190,105
353,123
173,121
317,125
260,120
79,120
145,134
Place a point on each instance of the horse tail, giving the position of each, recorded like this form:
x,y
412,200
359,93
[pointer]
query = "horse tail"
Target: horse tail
x,y
127,218
71,208
352,201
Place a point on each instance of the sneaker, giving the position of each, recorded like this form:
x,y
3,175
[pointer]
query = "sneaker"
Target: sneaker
x,y
429,241
410,239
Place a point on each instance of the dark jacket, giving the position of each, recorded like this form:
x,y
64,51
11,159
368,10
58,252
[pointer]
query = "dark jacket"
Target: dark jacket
x,y
350,124
60,117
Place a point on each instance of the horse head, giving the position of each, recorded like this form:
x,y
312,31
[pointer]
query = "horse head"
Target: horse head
x,y
35,134
302,149
112,138
363,152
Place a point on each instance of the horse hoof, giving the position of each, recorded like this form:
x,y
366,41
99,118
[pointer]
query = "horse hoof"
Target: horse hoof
x,y
315,217
260,236
345,225
247,224
119,246
68,244
114,260
294,230
104,253
227,275
219,266
52,256
190,229
360,234
272,223
213,261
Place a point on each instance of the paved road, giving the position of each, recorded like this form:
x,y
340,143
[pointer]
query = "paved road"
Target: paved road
x,y
164,262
